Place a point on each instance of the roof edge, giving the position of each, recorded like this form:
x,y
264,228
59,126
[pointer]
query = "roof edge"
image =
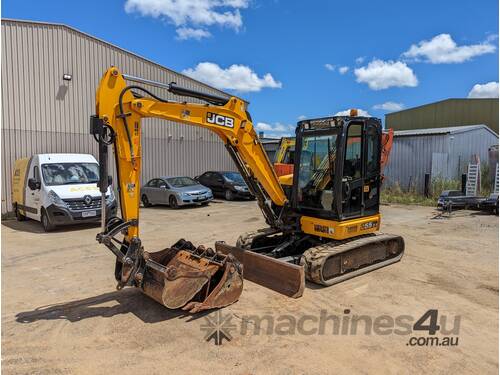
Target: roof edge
x,y
443,130
436,102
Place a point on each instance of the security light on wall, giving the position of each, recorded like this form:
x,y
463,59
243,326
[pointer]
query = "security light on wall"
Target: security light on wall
x,y
67,77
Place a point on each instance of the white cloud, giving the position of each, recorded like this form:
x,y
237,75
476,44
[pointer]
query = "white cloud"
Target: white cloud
x,y
343,69
379,75
491,37
360,60
347,112
184,33
237,77
301,117
442,49
389,106
330,67
198,13
263,127
487,90
276,130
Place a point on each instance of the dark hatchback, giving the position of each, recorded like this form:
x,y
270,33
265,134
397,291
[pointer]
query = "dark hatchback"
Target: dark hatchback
x,y
229,185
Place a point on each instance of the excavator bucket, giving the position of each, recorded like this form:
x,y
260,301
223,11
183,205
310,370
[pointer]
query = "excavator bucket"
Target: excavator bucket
x,y
188,277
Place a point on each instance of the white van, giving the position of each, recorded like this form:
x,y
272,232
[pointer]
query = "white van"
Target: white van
x,y
59,189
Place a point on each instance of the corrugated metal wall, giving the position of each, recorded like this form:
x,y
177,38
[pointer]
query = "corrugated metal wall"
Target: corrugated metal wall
x,y
42,113
414,156
450,112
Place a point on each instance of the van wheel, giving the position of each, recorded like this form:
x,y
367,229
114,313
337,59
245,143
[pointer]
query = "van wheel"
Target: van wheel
x,y
172,201
145,201
228,194
19,215
47,225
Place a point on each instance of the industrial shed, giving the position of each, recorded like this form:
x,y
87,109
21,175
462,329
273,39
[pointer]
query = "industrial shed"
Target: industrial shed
x,y
441,152
50,74
448,112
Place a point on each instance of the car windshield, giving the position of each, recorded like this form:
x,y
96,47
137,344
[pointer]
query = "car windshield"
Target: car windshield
x,y
70,173
233,177
179,182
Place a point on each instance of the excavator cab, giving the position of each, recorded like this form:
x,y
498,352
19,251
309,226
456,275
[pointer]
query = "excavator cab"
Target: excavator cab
x,y
338,164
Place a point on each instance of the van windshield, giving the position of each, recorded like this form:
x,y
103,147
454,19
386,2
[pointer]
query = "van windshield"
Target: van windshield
x,y
70,173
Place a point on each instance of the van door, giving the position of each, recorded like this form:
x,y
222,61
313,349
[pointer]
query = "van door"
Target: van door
x,y
33,196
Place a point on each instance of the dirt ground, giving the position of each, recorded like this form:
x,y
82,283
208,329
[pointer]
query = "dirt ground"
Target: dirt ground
x,y
61,313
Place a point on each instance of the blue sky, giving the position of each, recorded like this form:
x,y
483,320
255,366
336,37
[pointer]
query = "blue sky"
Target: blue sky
x,y
302,58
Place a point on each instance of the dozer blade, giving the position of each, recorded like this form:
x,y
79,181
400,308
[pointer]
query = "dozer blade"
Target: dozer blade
x,y
191,278
333,263
280,276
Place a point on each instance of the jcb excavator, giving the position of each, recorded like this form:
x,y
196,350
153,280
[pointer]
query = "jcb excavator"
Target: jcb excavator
x,y
322,221
284,158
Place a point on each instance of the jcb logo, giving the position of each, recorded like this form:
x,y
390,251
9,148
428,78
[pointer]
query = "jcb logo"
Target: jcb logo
x,y
213,118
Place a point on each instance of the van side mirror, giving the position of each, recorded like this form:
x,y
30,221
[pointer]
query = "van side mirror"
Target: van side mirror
x,y
34,184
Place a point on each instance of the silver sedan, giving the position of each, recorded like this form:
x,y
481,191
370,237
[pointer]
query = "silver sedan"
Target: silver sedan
x,y
175,191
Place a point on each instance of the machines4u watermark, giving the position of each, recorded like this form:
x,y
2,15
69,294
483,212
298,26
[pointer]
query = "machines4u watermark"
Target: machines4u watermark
x,y
429,329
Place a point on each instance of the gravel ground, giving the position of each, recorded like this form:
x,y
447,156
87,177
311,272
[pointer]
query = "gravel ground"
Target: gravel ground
x,y
61,313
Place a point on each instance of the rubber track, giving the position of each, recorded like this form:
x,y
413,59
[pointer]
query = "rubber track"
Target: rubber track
x,y
314,258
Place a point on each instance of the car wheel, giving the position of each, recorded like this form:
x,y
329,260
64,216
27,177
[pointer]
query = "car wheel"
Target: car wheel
x,y
145,201
19,215
228,194
172,201
47,225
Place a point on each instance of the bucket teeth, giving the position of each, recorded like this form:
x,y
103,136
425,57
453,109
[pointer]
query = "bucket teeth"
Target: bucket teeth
x,y
192,278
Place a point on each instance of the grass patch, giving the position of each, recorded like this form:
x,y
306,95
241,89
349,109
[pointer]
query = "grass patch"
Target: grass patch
x,y
394,193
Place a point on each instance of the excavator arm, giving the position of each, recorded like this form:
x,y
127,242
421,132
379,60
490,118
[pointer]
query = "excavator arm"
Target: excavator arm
x,y
120,107
182,275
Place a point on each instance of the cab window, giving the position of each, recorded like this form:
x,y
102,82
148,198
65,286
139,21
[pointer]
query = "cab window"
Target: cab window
x,y
372,151
352,161
316,171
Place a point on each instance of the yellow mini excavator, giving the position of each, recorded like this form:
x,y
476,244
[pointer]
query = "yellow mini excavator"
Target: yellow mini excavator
x,y
323,220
